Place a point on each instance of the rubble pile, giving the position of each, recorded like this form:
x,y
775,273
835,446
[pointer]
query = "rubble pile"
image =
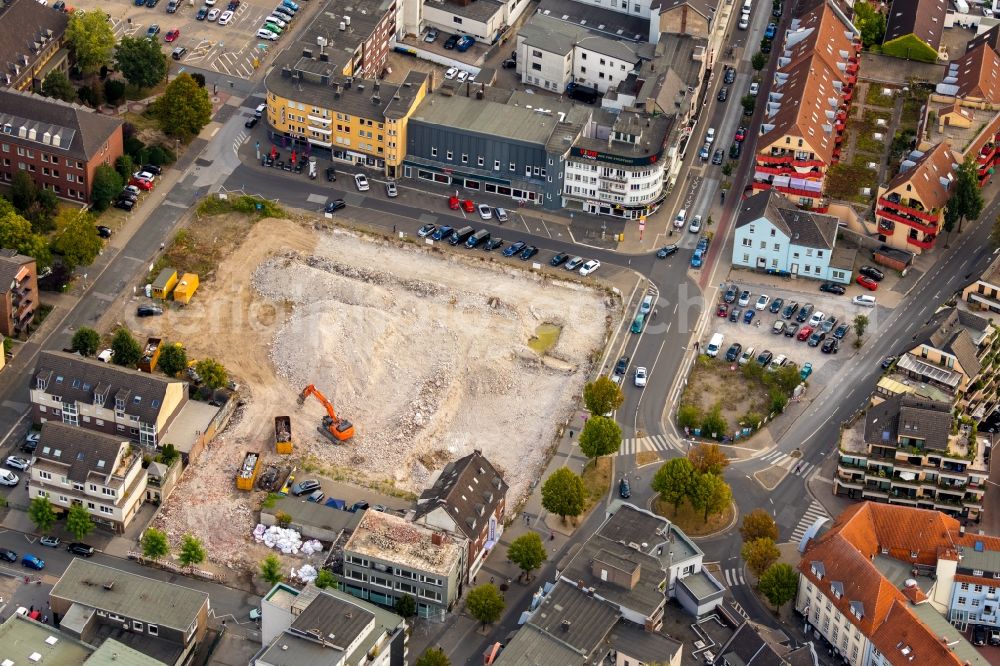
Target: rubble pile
x,y
287,540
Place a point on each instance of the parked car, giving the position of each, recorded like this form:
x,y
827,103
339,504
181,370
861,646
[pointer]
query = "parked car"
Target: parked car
x,y
172,35
748,316
779,327
426,230
764,358
559,259
872,272
514,248
528,252
775,306
705,152
754,88
841,331
450,73
735,150
451,42
305,487
806,370
722,310
331,175
32,562
263,33
723,94
361,182
695,226
334,206
804,312
762,301
152,31
251,122
718,157
103,231
202,13
817,317
791,329
574,263
734,351
887,362
492,244
622,365
735,314
17,462
501,214
744,298
81,549
741,133
485,212
590,267
225,17
623,489
148,311
816,338
390,189
978,634
830,346
827,325
770,30
790,309
431,36
732,293
469,206
832,288
8,554
804,333
50,541
665,251
867,282
730,76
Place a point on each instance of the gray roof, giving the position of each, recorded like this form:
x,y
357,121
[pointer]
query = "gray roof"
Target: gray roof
x,y
481,10
702,585
533,647
83,133
332,622
946,331
923,18
21,638
25,23
647,647
909,415
984,560
469,490
706,8
598,19
556,36
114,653
575,618
802,227
85,452
753,645
77,379
10,263
509,119
651,130
105,588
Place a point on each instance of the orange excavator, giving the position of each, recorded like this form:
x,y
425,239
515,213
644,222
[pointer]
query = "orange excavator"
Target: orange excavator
x,y
334,428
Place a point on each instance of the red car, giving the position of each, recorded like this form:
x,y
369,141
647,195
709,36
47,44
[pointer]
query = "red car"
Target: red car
x,y
172,35
142,184
453,203
468,206
741,133
723,310
867,282
804,333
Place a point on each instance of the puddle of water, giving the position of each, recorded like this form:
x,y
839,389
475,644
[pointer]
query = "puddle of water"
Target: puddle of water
x,y
546,336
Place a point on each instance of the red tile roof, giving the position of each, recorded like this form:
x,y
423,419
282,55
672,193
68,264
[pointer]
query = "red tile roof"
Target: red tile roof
x,y
978,74
903,639
924,177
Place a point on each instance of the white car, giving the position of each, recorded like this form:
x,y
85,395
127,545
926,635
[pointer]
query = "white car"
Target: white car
x,y
106,355
762,301
276,21
390,189
865,300
695,226
574,263
451,73
501,214
144,175
8,478
744,22
361,181
17,462
640,376
212,15
744,298
816,319
266,34
226,17
710,135
33,437
485,212
679,220
209,2
590,267
462,75
754,88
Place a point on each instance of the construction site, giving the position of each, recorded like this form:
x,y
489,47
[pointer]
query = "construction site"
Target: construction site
x,y
424,354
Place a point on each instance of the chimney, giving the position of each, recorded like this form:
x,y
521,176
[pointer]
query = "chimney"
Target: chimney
x,y
566,624
437,539
336,92
324,57
307,53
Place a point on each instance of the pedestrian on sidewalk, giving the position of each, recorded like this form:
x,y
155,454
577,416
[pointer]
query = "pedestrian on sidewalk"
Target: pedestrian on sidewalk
x,y
491,580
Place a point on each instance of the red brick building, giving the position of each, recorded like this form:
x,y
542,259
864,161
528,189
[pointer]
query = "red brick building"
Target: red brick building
x,y
59,144
18,292
33,43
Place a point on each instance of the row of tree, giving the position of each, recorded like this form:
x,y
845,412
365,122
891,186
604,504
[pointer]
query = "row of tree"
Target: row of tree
x,y
777,581
696,479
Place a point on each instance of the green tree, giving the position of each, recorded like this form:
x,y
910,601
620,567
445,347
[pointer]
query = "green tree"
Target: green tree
x,y
785,378
673,481
689,416
406,606
141,61
16,233
860,325
727,169
602,396
42,514
758,524
485,604
749,103
184,109
76,238
124,166
127,351
42,211
86,341
212,373
759,555
107,185
22,191
168,455
56,84
758,61
114,91
199,79
708,458
870,22
601,436
527,552
563,493
78,522
173,359
325,579
952,213
91,40
192,551
710,494
154,544
779,584
967,196
714,424
270,570
433,656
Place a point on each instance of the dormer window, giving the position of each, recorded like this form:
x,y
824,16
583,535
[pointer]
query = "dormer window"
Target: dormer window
x,y
119,404
41,384
913,554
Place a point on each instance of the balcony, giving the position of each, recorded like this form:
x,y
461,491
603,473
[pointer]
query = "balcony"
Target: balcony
x,y
923,244
889,214
849,482
794,191
790,159
987,153
875,493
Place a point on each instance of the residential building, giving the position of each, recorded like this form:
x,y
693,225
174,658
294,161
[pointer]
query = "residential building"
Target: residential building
x,y
879,587
687,17
639,20
469,499
910,207
325,92
95,602
920,20
485,20
107,398
34,46
772,234
327,628
387,557
753,644
60,145
904,453
984,293
807,105
19,297
26,641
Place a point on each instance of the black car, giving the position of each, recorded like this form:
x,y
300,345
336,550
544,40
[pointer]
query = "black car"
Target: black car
x,y
103,231
764,358
723,94
804,313
128,194
149,311
622,365
841,331
202,13
331,174
528,252
775,306
665,251
831,288
887,362
872,272
777,10
827,324
734,352
451,42
59,5
718,157
730,76
125,204
816,338
233,5
514,249
978,634
335,205
153,169
8,555
624,490
81,549
732,292
152,3
492,244
765,46
735,314
790,310
791,329
830,346
251,122
735,150
559,259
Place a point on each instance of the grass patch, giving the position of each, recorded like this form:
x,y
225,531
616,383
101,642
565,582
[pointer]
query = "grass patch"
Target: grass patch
x,y
597,480
911,113
646,457
866,141
845,181
713,383
200,247
691,521
910,47
141,121
876,98
248,205
872,117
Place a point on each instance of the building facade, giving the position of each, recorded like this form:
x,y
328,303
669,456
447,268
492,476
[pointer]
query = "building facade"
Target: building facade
x,y
60,145
34,46
77,467
19,296
984,293
106,398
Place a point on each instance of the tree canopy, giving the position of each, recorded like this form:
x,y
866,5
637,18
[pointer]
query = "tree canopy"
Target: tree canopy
x,y
155,544
91,39
16,233
708,458
270,570
527,552
192,551
485,603
212,373
127,351
601,436
870,22
141,61
173,359
56,84
85,341
563,493
433,656
107,184
673,480
78,522
710,494
779,584
760,554
42,514
184,109
758,524
76,238
602,396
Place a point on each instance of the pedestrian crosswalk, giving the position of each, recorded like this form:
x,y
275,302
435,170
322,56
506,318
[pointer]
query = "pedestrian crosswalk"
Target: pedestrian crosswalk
x,y
734,576
634,445
794,465
814,511
240,139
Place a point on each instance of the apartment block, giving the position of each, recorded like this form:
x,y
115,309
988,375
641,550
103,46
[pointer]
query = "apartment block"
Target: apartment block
x,y
984,293
104,397
388,557
35,43
19,296
78,467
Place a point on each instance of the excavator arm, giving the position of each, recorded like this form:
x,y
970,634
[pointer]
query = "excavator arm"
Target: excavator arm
x,y
311,390
334,427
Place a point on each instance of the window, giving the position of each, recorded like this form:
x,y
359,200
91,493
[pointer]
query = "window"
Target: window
x,y
513,166
773,232
537,66
449,155
962,600
496,165
42,474
747,242
434,152
107,509
154,630
137,625
480,161
536,53
777,246
465,158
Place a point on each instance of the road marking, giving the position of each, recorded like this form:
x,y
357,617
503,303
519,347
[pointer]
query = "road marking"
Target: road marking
x,y
813,511
734,577
634,445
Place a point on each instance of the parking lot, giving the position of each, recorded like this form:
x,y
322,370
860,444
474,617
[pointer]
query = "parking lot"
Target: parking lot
x,y
232,49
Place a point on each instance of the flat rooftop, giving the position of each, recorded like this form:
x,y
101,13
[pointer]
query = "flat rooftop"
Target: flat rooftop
x,y
597,19
20,638
187,426
389,538
516,118
960,137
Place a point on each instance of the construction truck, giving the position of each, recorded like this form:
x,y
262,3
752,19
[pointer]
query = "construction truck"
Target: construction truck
x,y
247,475
333,428
283,434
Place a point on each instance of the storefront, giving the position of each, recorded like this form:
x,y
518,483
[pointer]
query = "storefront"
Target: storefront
x,y
474,183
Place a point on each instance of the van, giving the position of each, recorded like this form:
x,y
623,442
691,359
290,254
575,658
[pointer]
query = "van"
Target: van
x,y
747,355
477,238
647,304
681,218
461,235
864,300
714,345
638,323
